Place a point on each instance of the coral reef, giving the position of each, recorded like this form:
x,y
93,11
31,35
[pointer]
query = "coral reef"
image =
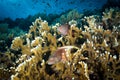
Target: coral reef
x,y
70,15
7,35
92,53
7,65
111,17
7,56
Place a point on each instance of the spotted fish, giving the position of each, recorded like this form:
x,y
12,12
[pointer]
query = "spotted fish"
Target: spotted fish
x,y
59,55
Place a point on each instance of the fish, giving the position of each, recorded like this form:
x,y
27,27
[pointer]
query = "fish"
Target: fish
x,y
56,0
48,5
59,55
64,29
81,1
72,2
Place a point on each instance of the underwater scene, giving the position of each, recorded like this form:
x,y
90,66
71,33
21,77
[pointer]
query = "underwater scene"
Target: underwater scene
x,y
59,39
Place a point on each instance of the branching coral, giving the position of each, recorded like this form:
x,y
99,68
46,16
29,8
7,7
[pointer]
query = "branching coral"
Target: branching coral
x,y
89,54
7,64
71,15
111,17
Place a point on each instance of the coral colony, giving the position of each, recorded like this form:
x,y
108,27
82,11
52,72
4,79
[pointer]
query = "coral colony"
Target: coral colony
x,y
90,51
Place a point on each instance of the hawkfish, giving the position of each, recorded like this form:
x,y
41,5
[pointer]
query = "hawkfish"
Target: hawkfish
x,y
59,55
64,29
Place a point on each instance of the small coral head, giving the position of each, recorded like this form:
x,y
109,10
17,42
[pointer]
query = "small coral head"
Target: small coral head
x,y
64,29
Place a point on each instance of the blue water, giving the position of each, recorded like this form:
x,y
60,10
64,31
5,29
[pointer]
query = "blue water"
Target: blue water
x,y
22,8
